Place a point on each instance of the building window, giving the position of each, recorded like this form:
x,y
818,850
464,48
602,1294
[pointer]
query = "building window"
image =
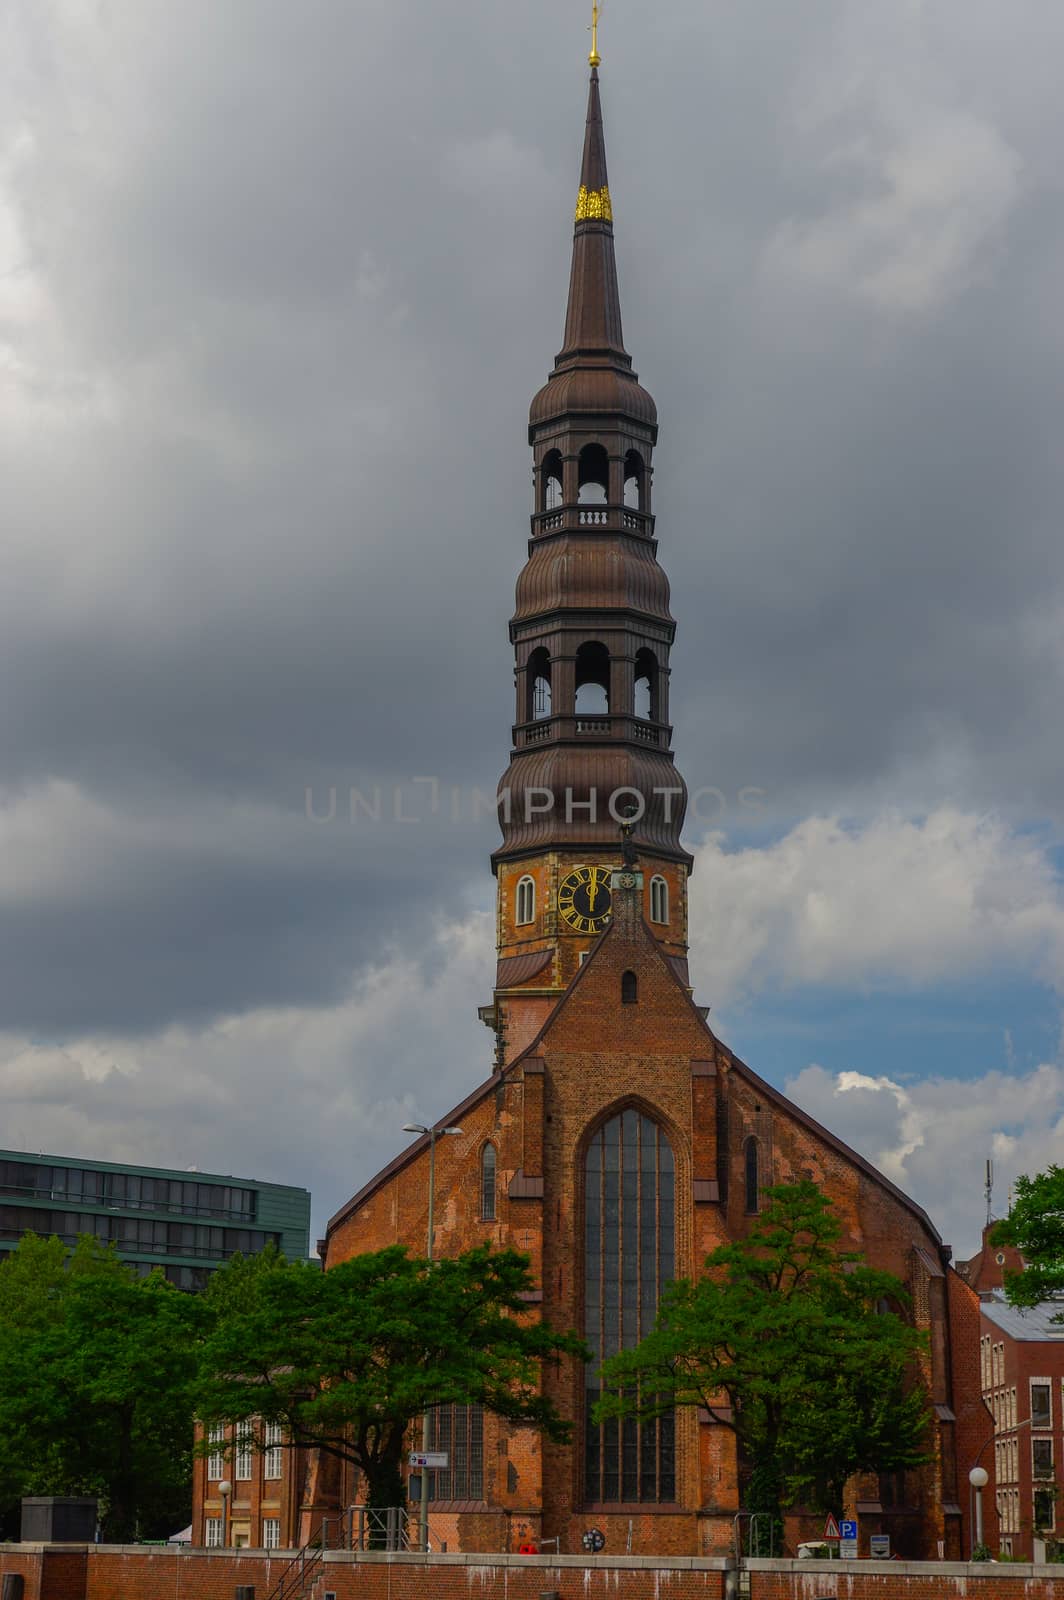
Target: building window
x,y
1045,1510
629,989
751,1176
216,1458
271,1533
242,1457
213,1532
459,1430
487,1183
1042,1458
629,1232
526,902
271,1465
1041,1403
659,900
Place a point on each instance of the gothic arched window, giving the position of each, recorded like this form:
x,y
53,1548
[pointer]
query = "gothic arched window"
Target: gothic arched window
x,y
752,1177
629,989
487,1183
526,901
659,900
629,1256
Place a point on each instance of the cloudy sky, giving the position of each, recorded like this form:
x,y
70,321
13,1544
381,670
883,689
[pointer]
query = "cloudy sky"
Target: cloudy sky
x,y
277,282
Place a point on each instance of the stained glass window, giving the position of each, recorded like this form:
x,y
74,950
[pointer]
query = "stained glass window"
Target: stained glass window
x,y
630,1254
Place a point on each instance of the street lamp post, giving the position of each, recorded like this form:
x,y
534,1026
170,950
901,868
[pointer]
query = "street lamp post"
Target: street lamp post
x,y
225,1489
432,1134
978,1478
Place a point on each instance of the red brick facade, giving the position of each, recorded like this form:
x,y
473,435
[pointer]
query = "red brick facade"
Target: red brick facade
x,y
1023,1385
594,1055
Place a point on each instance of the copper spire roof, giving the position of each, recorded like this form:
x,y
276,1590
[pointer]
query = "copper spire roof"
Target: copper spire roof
x,y
593,319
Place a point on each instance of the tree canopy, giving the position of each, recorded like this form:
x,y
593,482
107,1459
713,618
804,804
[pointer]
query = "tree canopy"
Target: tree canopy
x,y
346,1360
96,1369
792,1343
1035,1226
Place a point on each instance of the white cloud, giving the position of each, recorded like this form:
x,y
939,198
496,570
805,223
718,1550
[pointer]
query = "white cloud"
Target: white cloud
x,y
894,902
914,186
932,1138
306,1095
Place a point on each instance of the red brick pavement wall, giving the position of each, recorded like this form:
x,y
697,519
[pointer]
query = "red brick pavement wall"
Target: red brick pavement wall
x,y
29,1565
983,1582
167,1574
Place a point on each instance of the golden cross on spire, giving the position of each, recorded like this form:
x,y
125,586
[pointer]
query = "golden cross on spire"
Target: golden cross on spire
x,y
594,59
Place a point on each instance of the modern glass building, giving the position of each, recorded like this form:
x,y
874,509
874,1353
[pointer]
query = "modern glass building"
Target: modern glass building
x,y
188,1223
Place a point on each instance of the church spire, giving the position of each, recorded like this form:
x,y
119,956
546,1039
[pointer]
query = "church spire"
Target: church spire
x,y
593,318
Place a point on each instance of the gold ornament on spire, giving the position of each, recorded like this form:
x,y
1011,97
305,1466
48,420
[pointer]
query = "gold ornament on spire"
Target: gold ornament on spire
x,y
594,59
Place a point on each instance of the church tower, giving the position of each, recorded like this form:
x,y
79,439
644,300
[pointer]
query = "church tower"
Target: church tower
x,y
617,1140
592,631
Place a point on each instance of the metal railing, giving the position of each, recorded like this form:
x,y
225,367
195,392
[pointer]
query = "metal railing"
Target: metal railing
x,y
386,1528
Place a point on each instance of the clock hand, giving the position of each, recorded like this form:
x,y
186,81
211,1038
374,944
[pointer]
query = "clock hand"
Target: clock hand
x,y
592,896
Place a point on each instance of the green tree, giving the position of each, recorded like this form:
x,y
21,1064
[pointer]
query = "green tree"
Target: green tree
x,y
96,1370
788,1341
346,1360
1035,1226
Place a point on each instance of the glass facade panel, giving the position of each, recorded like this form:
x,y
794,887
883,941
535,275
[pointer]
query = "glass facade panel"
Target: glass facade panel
x,y
629,1245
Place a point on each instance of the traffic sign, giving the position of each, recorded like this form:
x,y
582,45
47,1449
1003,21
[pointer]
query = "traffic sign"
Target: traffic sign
x,y
848,1540
434,1460
831,1528
879,1546
847,1530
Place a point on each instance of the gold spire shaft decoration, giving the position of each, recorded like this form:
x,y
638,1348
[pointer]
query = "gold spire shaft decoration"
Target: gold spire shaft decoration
x,y
594,59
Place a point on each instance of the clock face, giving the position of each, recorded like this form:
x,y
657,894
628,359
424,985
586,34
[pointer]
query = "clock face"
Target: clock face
x,y
584,898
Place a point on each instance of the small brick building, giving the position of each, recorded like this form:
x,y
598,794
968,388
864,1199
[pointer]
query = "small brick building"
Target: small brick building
x,y
618,1140
1022,1379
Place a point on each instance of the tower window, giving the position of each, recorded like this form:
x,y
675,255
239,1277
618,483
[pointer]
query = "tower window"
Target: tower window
x,y
592,679
659,900
526,901
550,480
538,697
629,1231
594,475
629,989
646,686
487,1183
752,1176
634,481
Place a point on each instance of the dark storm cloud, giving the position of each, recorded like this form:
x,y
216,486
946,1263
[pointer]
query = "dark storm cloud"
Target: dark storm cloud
x,y
278,283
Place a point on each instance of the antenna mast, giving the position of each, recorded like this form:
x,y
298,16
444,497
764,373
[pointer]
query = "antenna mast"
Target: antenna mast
x,y
989,1191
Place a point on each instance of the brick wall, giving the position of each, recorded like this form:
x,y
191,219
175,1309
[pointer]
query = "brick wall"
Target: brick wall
x,y
136,1573
28,1564
901,1580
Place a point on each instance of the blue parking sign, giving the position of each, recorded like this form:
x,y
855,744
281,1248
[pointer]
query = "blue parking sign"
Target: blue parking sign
x,y
847,1530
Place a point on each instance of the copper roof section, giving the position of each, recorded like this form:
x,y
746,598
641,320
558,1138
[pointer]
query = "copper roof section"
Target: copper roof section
x,y
513,970
593,317
582,571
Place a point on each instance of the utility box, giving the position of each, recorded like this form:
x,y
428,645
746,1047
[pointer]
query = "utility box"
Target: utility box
x,y
58,1519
